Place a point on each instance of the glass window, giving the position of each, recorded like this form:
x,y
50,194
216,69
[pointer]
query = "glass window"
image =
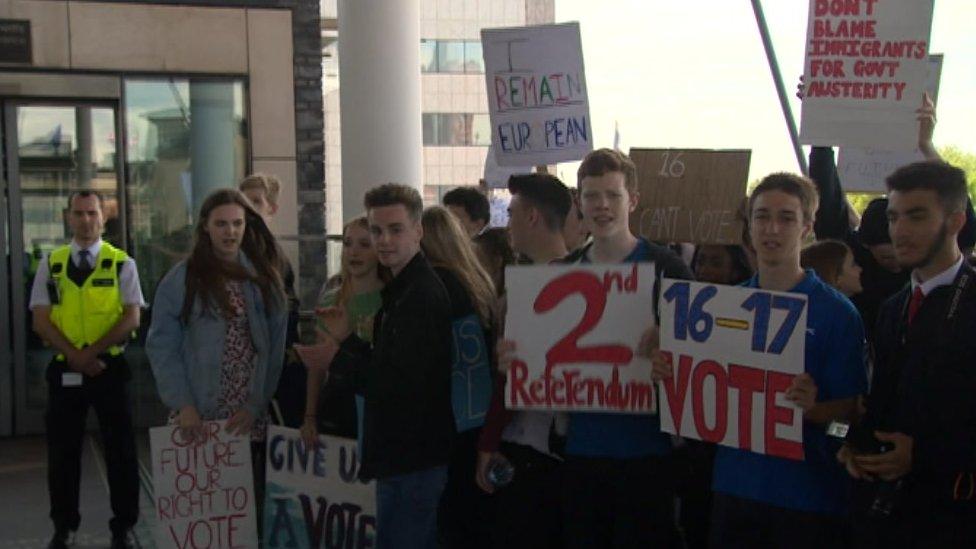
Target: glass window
x,y
428,56
452,130
480,129
186,138
450,56
474,62
429,123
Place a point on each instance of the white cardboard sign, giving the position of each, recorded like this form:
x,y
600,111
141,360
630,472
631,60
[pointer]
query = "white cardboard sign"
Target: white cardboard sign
x,y
865,169
735,351
537,99
203,491
576,329
865,71
313,496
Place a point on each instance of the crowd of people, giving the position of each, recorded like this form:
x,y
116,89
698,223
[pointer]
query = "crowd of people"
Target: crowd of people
x,y
888,418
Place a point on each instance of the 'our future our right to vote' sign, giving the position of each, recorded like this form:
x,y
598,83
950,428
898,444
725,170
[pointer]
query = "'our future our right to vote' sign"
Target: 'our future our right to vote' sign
x,y
576,328
537,97
735,352
865,71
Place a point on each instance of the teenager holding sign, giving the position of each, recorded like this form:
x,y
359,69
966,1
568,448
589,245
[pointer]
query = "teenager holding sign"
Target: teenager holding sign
x,y
617,487
766,501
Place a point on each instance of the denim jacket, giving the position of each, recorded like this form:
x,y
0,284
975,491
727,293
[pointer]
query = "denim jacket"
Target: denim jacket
x,y
186,358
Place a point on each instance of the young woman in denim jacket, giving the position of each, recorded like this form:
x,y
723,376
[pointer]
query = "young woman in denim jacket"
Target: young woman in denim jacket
x,y
217,339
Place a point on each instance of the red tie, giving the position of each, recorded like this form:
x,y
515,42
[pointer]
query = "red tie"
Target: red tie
x,y
915,303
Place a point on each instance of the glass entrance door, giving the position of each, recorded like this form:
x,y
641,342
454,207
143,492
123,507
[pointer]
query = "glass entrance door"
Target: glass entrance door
x,y
50,150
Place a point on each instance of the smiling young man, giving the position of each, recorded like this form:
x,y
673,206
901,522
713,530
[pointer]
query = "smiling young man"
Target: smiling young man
x,y
921,404
405,376
766,501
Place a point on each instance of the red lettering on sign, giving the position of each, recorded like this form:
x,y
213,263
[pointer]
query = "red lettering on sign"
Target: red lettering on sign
x,y
704,369
676,396
748,381
777,382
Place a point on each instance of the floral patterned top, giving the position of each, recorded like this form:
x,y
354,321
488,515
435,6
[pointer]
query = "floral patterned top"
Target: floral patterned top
x,y
237,364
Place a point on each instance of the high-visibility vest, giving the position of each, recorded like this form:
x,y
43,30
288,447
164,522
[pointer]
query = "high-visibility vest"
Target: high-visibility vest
x,y
86,313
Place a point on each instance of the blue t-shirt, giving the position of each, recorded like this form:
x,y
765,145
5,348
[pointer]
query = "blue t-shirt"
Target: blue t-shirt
x,y
834,357
623,436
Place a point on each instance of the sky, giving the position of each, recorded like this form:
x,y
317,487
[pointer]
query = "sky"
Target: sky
x,y
693,74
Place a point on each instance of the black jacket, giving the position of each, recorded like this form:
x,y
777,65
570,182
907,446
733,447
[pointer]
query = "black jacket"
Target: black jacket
x,y
833,221
405,376
924,385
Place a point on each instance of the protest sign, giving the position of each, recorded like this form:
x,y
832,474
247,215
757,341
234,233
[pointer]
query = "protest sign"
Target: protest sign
x,y
690,195
470,373
203,490
314,497
576,328
537,99
865,71
735,351
865,169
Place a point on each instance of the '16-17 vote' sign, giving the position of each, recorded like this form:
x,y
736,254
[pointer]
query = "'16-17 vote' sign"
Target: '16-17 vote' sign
x,y
865,71
576,328
537,98
314,496
735,352
203,489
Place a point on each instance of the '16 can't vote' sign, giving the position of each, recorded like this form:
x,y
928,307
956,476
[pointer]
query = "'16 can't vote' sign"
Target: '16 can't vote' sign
x,y
735,352
576,328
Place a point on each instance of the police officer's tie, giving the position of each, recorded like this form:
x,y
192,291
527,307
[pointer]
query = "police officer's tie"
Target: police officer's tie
x,y
84,260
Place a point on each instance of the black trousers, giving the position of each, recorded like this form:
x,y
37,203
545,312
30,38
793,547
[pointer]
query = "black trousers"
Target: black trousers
x,y
66,415
738,522
526,511
619,503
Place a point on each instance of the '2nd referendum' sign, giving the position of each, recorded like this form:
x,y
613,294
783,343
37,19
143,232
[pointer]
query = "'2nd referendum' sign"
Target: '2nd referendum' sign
x,y
576,329
735,352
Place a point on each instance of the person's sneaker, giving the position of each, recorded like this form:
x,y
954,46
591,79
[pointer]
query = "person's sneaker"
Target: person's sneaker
x,y
62,540
122,541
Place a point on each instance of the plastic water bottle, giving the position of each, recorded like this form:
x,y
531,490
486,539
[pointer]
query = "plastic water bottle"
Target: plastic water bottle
x,y
500,471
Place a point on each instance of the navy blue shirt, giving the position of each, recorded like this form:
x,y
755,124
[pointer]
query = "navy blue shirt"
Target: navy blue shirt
x,y
834,357
593,434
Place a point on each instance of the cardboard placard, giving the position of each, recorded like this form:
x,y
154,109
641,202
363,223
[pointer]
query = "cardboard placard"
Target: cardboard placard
x,y
313,496
576,328
865,71
735,351
865,169
203,491
690,195
537,99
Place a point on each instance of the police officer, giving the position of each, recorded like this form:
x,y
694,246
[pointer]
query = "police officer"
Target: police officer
x,y
86,301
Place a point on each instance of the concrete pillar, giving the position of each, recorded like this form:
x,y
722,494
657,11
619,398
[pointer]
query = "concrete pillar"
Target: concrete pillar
x,y
379,96
84,158
212,139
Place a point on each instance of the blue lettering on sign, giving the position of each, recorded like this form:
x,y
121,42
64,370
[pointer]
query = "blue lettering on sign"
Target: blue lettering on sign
x,y
565,132
291,454
470,374
514,137
761,303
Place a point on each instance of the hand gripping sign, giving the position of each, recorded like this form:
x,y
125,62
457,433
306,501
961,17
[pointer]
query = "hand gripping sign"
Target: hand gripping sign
x,y
576,328
735,352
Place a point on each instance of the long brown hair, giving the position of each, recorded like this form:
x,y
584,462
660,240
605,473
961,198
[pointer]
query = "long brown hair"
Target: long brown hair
x,y
446,245
207,275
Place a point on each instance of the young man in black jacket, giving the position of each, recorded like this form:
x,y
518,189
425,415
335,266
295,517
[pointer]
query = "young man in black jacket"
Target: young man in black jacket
x,y
405,376
921,411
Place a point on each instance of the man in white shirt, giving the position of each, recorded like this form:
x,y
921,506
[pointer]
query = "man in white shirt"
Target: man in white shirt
x,y
86,302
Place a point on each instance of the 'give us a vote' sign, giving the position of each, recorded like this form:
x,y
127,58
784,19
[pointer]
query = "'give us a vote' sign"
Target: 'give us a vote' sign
x,y
735,352
576,329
